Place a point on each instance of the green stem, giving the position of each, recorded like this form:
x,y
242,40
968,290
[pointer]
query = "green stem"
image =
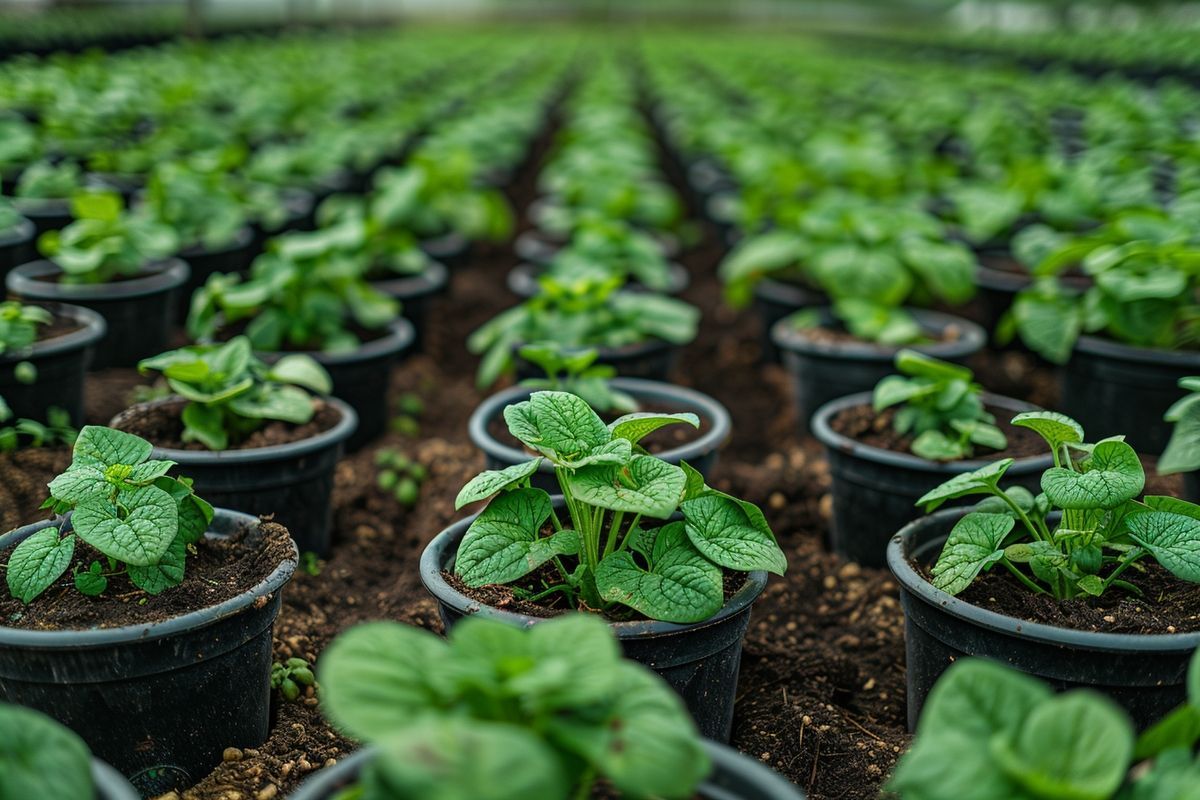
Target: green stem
x,y
1022,577
611,540
629,532
1021,515
556,588
1124,565
586,783
554,519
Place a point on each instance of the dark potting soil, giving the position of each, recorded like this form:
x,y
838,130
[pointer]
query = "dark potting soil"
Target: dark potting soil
x,y
1167,605
23,478
219,570
876,430
58,326
836,334
666,438
163,426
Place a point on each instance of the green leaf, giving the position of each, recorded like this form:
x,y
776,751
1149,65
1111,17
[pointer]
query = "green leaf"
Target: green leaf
x,y
206,425
1173,539
1048,324
36,563
937,446
1114,474
301,370
732,533
91,581
559,425
141,537
504,542
637,426
1075,746
166,573
488,483
1180,728
646,485
681,585
41,759
98,446
984,480
285,403
974,544
79,483
378,675
1057,429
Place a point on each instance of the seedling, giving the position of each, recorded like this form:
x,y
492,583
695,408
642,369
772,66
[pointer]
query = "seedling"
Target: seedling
x,y
506,713
105,242
125,506
989,731
231,393
310,562
201,207
1183,451
30,433
940,405
612,490
1102,533
407,422
40,758
19,325
400,476
576,372
292,678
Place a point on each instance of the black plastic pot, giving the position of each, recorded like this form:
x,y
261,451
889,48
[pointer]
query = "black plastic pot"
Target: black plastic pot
x,y
824,371
140,312
416,293
452,249
17,245
700,661
874,490
1000,276
734,777
61,364
523,280
653,360
291,481
1144,673
700,454
158,701
774,300
110,784
46,214
538,247
361,377
233,257
1112,388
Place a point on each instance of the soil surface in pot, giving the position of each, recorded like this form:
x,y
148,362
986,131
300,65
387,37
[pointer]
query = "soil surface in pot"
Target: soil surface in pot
x,y
220,570
862,424
59,326
836,335
1168,605
163,426
23,478
663,439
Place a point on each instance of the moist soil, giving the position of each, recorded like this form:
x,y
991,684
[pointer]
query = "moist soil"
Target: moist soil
x,y
862,424
220,570
59,326
821,693
837,335
666,438
162,425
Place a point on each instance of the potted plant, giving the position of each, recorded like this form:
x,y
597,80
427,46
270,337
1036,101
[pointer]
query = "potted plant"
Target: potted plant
x,y
44,354
44,191
1034,580
638,333
249,434
43,759
1182,454
208,587
305,296
990,731
889,447
116,264
671,574
492,729
611,397
16,237
1129,337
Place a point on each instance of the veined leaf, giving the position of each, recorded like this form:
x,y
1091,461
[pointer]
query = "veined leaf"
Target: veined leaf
x,y
488,483
974,544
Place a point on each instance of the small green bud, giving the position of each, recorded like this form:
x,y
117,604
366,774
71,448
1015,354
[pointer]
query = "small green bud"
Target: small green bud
x,y
407,491
290,690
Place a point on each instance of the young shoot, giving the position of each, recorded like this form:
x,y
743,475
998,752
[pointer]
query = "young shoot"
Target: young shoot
x,y
576,372
1183,450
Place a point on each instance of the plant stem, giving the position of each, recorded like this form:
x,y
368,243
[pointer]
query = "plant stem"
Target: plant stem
x,y
1124,565
1021,515
629,532
1022,577
585,784
611,540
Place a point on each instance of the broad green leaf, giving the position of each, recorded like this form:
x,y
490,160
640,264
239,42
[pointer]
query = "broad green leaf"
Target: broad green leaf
x,y
488,483
585,643
98,446
79,483
1114,474
148,472
974,544
937,446
1057,429
301,370
140,538
731,535
1173,539
636,426
504,542
204,424
646,485
694,485
1075,745
895,389
168,572
681,585
377,676
984,480
977,699
951,766
285,403
559,425
1180,728
36,563
1049,325
40,759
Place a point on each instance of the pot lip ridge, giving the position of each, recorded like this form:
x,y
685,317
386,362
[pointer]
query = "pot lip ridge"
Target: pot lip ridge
x,y
338,434
823,431
446,543
72,639
973,339
93,329
698,402
157,277
1098,346
21,233
911,581
400,336
429,280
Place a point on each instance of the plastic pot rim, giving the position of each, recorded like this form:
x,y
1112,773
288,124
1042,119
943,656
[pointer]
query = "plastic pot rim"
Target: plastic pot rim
x,y
973,339
93,330
400,335
430,280
21,233
1107,348
157,277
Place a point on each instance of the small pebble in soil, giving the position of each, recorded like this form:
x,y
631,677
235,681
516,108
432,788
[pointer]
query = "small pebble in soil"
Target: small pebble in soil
x,y
231,754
